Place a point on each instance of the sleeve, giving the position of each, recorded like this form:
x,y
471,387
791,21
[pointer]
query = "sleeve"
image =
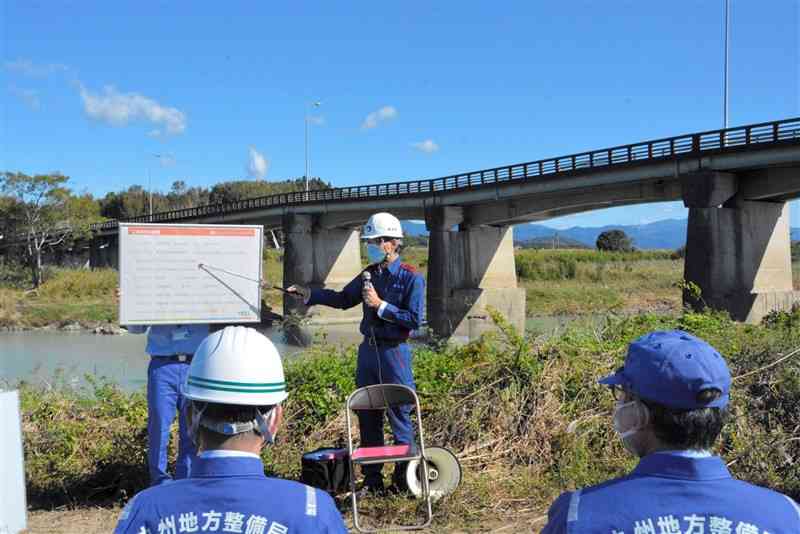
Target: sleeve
x,y
345,299
129,521
136,328
557,515
411,317
329,519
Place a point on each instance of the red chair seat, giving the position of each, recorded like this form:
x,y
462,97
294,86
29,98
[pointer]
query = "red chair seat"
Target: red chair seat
x,y
386,452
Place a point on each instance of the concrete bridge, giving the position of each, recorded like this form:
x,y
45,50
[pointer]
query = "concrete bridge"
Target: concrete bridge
x,y
736,183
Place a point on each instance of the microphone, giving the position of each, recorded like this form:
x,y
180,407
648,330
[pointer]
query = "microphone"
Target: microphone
x,y
366,283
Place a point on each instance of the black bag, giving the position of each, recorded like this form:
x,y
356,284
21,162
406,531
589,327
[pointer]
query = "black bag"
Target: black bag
x,y
327,469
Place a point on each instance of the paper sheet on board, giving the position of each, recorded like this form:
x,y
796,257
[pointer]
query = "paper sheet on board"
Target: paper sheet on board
x,y
189,273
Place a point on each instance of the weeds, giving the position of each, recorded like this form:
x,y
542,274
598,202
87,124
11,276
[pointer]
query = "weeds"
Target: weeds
x,y
525,416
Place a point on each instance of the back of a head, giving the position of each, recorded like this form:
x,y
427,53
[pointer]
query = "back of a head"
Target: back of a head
x,y
236,378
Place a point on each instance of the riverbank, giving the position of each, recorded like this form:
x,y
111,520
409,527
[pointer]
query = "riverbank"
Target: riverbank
x,y
524,415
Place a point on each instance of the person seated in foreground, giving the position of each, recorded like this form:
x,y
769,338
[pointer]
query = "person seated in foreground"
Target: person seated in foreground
x,y
235,386
672,394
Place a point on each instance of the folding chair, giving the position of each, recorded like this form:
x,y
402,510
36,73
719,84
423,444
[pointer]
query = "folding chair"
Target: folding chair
x,y
381,397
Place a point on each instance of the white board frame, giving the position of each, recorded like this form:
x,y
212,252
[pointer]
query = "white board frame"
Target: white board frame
x,y
124,315
13,506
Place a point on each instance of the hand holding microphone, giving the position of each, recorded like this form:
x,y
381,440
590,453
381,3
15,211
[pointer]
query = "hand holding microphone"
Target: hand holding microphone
x,y
368,294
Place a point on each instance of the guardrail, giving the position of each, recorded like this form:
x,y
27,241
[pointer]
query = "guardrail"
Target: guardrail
x,y
730,139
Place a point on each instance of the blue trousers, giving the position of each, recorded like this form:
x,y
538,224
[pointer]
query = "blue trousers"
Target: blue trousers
x,y
395,367
165,382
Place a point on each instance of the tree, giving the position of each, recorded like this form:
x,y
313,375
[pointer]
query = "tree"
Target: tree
x,y
615,240
47,214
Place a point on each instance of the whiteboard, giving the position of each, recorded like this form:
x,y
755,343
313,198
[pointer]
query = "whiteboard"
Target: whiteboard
x,y
189,273
12,474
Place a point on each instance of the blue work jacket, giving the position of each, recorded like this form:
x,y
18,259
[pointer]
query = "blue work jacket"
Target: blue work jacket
x,y
401,288
674,493
169,339
230,494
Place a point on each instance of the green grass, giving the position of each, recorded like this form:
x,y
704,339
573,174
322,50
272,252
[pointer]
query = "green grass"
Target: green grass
x,y
527,418
557,282
66,296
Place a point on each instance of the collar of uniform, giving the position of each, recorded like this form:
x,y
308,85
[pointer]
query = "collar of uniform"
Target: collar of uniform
x,y
394,267
682,467
226,466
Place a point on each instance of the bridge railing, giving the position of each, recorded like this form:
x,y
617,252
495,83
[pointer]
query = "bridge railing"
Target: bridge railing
x,y
723,140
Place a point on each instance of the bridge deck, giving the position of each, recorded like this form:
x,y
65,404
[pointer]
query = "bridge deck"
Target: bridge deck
x,y
710,143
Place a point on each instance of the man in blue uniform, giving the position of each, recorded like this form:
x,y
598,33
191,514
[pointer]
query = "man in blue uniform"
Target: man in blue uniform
x,y
235,387
393,300
672,395
170,348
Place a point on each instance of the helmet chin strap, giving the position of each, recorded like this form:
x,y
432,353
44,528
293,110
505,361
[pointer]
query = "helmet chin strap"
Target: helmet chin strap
x,y
260,424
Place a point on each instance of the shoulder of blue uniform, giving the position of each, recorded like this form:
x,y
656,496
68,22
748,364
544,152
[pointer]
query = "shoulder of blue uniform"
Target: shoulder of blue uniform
x,y
769,496
408,267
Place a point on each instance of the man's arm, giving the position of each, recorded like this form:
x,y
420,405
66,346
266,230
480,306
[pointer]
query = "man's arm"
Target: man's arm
x,y
410,318
128,520
345,299
557,516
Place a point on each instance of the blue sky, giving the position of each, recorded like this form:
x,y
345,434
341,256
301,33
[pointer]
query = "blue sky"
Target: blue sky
x,y
407,89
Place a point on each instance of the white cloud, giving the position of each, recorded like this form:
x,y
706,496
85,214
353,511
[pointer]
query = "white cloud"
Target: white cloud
x,y
316,120
257,165
428,146
29,68
372,120
166,160
118,109
28,96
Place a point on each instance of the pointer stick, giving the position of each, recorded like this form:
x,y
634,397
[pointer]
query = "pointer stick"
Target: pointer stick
x,y
205,267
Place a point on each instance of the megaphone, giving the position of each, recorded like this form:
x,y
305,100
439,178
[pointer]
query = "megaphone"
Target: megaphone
x,y
444,473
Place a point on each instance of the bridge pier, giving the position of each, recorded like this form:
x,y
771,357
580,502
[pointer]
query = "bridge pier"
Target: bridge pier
x,y
319,257
737,251
470,271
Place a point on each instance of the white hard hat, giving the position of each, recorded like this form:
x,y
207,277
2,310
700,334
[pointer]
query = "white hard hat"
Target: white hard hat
x,y
236,365
382,225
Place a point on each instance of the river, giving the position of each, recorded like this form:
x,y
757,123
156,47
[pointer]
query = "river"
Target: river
x,y
61,358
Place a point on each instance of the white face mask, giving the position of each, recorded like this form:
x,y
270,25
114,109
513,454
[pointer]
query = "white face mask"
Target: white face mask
x,y
629,419
375,253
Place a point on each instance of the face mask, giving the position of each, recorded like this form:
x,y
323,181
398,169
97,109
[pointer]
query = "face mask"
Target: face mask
x,y
629,419
375,253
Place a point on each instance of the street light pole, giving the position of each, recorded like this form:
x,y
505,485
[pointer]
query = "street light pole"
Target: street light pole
x,y
150,192
314,104
727,14
150,182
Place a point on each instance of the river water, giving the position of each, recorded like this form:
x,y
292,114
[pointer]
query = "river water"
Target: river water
x,y
51,357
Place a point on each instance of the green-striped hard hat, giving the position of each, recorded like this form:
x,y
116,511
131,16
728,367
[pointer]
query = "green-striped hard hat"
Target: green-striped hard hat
x,y
236,365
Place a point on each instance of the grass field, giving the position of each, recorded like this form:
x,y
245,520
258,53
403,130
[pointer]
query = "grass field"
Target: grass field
x,y
557,282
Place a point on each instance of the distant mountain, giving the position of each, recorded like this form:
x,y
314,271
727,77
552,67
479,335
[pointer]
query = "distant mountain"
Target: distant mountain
x,y
669,233
553,241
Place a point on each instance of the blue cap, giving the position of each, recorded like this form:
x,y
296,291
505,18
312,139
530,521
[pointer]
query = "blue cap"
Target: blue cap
x,y
671,369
